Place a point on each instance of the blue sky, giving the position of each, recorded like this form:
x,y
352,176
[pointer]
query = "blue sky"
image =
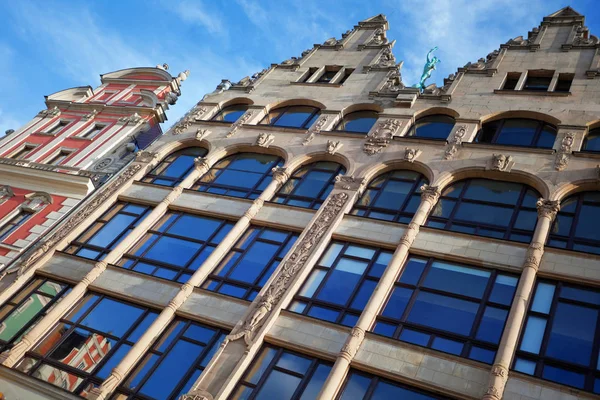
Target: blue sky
x,y
53,45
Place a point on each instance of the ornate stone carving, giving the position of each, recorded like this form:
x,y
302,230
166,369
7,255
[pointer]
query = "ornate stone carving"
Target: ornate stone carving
x,y
97,201
287,272
410,234
5,193
280,174
348,182
394,81
104,163
315,129
265,140
352,343
378,38
455,142
333,146
501,162
202,134
180,297
133,119
563,154
330,42
411,155
53,112
386,59
380,138
194,115
583,38
241,121
520,41
547,208
534,255
197,395
145,156
36,201
430,193
201,163
90,116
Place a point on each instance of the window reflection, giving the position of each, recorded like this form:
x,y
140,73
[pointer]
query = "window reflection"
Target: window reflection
x,y
560,338
363,386
392,196
301,117
175,167
358,122
518,132
231,113
341,283
280,374
576,224
243,175
251,262
503,210
448,307
592,141
84,346
310,185
108,231
432,127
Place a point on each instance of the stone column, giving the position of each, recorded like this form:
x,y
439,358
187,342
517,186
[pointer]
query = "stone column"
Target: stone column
x,y
240,347
547,210
429,198
161,322
10,357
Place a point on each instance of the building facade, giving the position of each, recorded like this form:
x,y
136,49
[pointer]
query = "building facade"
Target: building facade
x,y
67,151
321,231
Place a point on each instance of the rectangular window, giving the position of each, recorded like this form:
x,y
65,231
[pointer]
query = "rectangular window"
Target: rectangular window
x,y
250,263
14,223
276,373
27,307
538,81
108,230
104,96
360,385
57,128
341,283
328,74
23,152
93,131
448,307
98,323
560,340
512,78
564,83
347,73
176,246
309,74
59,157
173,363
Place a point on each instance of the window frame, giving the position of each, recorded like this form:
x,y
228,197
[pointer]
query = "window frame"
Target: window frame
x,y
596,133
316,111
215,117
510,77
412,131
23,151
342,122
60,124
534,140
8,226
92,131
59,156
152,176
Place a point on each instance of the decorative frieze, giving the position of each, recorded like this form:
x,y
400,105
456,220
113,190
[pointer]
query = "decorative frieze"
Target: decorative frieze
x,y
315,129
90,116
194,115
53,112
349,182
133,119
455,142
238,124
564,153
381,136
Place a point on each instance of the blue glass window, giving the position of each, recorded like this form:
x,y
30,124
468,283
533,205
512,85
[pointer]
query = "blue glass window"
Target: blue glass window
x,y
172,365
437,127
251,262
301,117
280,374
27,307
176,246
518,132
243,175
484,207
108,230
14,223
341,283
310,185
85,345
175,167
560,339
448,307
363,386
392,196
576,225
592,141
231,113
358,122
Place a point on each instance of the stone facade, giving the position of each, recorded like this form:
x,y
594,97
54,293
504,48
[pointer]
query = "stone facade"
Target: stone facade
x,y
367,78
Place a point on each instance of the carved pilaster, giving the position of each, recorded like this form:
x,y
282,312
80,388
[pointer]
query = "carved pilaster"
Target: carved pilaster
x,y
145,156
280,174
547,208
241,121
349,182
201,163
381,136
315,129
431,194
563,154
352,343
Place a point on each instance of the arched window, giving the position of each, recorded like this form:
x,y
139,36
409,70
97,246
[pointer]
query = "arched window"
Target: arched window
x,y
240,175
436,127
576,224
485,207
231,113
301,117
592,141
392,196
310,185
175,167
518,132
358,122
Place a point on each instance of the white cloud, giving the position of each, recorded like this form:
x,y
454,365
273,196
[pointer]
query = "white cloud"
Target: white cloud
x,y
8,121
195,13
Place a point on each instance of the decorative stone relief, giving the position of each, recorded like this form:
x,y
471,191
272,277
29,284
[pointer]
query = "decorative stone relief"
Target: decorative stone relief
x,y
411,155
380,138
265,140
583,38
280,174
5,193
431,194
563,154
104,163
238,124
534,255
348,182
302,250
201,163
53,112
90,116
202,134
386,59
547,208
194,115
378,38
455,142
501,162
394,81
36,201
315,129
132,119
97,201
352,343
330,42
333,146
145,156
197,395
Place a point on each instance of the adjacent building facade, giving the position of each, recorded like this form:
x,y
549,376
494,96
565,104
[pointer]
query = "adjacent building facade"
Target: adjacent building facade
x,y
321,231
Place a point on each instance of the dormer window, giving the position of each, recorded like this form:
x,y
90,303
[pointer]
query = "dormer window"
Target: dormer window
x,y
564,83
59,157
512,79
538,81
22,153
93,131
57,128
328,75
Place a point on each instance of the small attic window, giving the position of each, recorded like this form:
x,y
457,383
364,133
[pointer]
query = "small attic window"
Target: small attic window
x,y
512,78
564,83
538,81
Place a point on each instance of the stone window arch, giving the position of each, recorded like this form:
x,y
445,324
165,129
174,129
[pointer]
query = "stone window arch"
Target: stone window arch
x,y
292,116
436,127
175,167
523,132
591,142
230,113
358,121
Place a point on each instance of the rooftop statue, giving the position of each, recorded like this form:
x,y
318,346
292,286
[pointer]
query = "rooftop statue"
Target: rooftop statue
x,y
427,69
